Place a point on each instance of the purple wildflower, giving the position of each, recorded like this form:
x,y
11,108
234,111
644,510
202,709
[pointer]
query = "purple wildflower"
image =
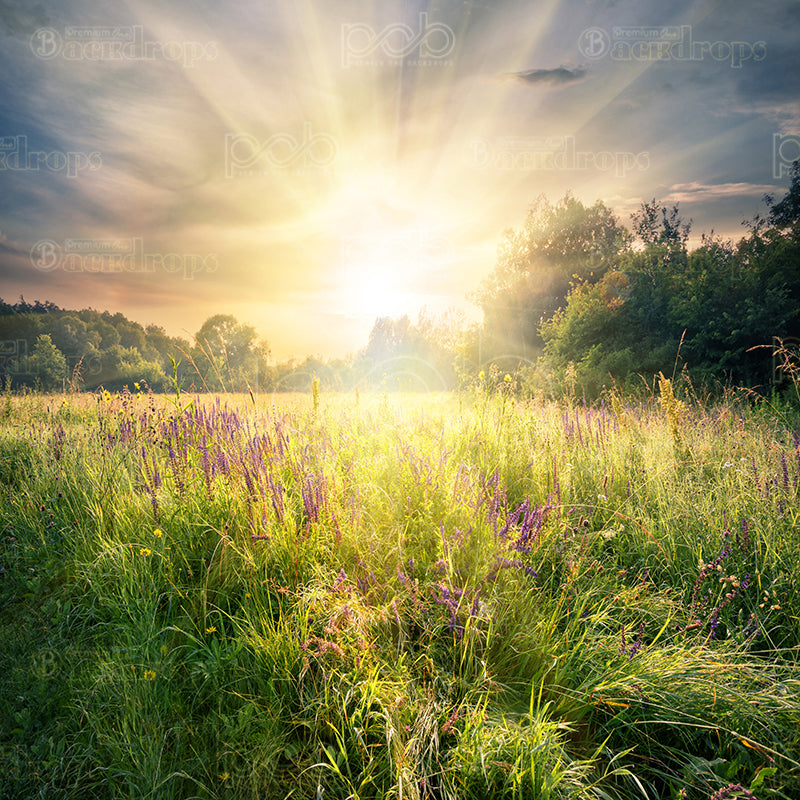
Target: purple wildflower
x,y
733,788
633,648
751,629
340,579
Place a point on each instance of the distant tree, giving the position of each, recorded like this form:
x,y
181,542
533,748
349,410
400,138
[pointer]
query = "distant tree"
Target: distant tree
x,y
72,335
125,366
46,363
229,355
388,338
418,356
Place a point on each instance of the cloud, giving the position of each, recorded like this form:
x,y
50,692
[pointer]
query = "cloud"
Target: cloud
x,y
695,192
560,76
22,19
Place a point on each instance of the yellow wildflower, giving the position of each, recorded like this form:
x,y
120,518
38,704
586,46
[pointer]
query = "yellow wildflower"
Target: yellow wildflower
x,y
145,551
507,378
211,629
149,674
158,532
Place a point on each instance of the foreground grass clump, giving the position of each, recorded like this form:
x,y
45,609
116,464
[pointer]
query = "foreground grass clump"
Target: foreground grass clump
x,y
427,598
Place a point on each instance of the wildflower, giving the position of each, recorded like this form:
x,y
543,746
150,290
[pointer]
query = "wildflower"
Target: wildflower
x,y
149,674
633,648
481,375
451,721
145,551
224,776
340,580
106,395
731,789
136,386
158,533
507,378
211,629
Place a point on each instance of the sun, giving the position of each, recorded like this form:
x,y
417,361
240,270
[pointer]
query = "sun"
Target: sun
x,y
375,297
377,272
392,247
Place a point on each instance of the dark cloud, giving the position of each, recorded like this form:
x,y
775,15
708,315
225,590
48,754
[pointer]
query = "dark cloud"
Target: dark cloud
x,y
561,76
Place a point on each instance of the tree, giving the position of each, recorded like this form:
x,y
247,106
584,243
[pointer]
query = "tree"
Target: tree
x,y
47,363
785,214
125,366
558,245
597,333
229,355
654,224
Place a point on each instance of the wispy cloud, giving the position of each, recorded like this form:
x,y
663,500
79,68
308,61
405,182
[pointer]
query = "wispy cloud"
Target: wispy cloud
x,y
695,192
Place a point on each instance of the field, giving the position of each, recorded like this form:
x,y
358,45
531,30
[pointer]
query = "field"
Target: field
x,y
453,596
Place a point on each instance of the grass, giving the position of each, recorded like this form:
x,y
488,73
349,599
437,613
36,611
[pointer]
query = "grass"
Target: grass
x,y
432,597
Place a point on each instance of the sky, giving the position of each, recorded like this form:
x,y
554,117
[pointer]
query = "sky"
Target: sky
x,y
309,165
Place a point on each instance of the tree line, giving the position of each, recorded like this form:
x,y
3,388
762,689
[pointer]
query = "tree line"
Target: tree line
x,y
576,302
45,347
588,303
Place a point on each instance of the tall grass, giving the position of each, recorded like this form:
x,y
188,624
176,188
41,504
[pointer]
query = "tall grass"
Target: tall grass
x,y
438,597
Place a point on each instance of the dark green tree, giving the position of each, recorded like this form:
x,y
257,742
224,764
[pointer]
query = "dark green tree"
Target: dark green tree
x,y
46,363
559,244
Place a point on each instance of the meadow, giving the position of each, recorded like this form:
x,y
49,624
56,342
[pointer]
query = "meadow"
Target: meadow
x,y
466,595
